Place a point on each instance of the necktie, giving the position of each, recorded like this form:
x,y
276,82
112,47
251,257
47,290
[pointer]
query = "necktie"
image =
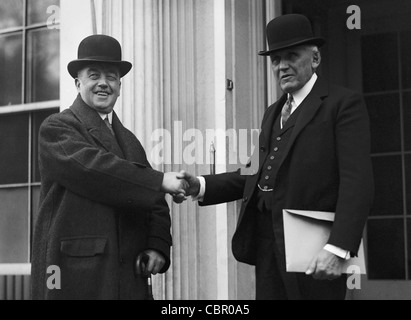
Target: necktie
x,y
286,112
109,125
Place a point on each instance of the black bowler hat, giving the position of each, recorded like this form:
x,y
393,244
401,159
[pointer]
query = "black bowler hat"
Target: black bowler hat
x,y
98,49
287,31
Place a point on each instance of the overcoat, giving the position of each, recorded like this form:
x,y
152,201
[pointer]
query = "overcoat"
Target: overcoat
x,y
326,166
100,206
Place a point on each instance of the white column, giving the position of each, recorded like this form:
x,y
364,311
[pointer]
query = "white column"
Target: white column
x,y
75,25
273,9
221,149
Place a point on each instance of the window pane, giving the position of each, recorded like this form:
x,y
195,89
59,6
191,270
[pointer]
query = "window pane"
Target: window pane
x,y
388,198
409,247
406,58
384,112
38,118
35,197
43,77
11,13
37,10
407,121
385,239
408,182
380,62
14,225
11,49
14,148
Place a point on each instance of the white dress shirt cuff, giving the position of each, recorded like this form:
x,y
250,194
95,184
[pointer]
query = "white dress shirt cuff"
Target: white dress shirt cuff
x,y
344,254
200,196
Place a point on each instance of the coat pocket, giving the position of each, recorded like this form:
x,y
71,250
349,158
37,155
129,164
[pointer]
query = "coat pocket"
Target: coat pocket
x,y
83,247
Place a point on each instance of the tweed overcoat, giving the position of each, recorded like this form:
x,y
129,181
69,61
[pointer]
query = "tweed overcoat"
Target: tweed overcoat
x,y
100,206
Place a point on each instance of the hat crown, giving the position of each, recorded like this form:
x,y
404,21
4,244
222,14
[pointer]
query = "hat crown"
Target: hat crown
x,y
289,30
290,27
99,47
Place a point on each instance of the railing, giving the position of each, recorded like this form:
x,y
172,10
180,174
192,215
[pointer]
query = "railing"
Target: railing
x,y
15,281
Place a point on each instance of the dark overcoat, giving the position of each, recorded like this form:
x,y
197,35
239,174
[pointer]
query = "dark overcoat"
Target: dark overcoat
x,y
326,167
100,206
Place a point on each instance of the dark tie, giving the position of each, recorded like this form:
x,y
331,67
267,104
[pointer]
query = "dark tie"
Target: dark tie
x,y
109,125
286,112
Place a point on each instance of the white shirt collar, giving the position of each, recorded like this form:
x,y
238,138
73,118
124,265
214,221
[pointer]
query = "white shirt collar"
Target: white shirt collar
x,y
302,93
104,115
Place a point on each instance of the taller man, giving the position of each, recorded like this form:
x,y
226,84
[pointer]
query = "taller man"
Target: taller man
x,y
314,155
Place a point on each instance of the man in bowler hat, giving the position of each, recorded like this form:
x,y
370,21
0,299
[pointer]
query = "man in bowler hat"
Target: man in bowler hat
x,y
314,155
101,204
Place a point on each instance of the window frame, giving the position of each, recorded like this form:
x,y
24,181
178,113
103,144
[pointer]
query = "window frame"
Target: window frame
x,y
403,153
30,109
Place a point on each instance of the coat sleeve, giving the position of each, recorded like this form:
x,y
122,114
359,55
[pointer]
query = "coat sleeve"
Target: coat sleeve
x,y
356,186
224,187
68,158
159,237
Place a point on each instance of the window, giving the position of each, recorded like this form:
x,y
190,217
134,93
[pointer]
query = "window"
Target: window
x,y
386,60
29,81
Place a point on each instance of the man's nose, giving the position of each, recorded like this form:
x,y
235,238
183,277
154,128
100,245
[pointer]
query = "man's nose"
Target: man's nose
x,y
102,82
283,65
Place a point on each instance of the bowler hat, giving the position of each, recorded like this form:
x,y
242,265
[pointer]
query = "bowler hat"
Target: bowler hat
x,y
98,49
287,31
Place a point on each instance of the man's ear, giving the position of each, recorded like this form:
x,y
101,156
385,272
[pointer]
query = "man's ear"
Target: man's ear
x,y
77,83
119,89
316,59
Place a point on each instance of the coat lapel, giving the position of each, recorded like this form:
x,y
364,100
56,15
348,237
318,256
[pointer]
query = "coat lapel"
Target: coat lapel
x,y
95,126
127,141
272,114
309,108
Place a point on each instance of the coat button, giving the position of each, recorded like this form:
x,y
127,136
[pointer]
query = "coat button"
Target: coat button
x,y
276,149
272,157
267,177
245,199
269,167
278,138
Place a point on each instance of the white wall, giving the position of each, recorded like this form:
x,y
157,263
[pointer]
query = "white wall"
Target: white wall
x,y
76,24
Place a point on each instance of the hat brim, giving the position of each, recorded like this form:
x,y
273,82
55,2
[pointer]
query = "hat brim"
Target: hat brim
x,y
76,65
316,41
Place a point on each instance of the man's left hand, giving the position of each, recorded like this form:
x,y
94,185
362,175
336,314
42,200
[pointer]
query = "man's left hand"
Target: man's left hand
x,y
325,266
155,262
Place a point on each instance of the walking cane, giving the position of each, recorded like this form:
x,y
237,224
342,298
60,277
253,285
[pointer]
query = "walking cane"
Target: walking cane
x,y
140,268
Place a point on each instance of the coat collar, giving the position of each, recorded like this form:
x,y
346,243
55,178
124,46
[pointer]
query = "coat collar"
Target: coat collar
x,y
308,108
98,129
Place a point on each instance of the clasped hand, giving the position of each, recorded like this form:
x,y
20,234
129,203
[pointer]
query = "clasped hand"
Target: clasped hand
x,y
180,185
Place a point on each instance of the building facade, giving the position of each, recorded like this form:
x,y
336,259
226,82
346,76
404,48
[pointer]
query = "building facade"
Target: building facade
x,y
197,81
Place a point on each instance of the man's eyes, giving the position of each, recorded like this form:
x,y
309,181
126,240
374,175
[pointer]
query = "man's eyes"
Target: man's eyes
x,y
95,76
276,60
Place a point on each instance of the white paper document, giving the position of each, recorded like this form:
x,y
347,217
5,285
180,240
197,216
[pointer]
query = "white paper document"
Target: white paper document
x,y
306,233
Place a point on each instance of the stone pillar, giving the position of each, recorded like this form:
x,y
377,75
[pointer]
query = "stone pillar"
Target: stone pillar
x,y
76,23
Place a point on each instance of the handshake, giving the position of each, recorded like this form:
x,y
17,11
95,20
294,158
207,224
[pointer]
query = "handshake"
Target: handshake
x,y
180,185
